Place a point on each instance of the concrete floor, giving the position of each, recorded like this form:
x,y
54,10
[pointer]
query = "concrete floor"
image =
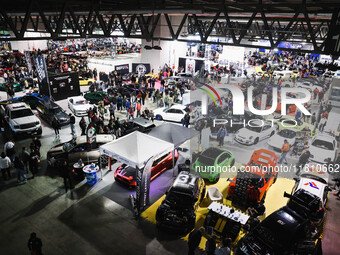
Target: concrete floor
x,y
87,221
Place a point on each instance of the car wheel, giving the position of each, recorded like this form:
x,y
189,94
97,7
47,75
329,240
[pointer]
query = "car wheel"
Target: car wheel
x,y
232,162
159,117
256,140
90,83
216,179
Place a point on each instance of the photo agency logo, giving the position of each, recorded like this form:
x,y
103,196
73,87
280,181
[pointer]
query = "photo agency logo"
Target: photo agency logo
x,y
215,95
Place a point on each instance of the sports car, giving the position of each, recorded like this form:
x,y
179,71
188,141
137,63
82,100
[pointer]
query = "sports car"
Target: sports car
x,y
253,134
211,161
277,140
323,149
78,105
127,175
287,121
97,96
84,81
316,189
174,113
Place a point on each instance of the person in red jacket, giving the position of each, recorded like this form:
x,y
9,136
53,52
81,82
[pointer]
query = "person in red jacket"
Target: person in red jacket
x,y
139,107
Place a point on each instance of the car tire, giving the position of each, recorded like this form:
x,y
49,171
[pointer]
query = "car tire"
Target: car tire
x,y
256,140
216,179
159,117
89,83
232,162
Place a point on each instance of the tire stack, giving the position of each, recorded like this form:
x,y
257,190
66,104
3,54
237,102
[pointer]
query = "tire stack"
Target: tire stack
x,y
243,182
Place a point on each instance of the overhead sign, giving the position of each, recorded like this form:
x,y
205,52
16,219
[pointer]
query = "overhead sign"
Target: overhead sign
x,y
40,66
122,69
28,61
141,68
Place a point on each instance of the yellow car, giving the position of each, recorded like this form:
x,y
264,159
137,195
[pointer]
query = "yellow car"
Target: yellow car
x,y
83,81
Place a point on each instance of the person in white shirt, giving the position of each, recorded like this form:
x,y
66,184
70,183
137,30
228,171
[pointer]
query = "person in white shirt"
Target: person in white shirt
x,y
9,150
5,164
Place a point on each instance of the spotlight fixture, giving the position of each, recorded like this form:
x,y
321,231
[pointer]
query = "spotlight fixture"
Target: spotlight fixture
x,y
147,47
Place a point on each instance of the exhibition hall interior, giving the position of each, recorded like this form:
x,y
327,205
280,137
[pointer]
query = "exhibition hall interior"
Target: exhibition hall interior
x,y
170,127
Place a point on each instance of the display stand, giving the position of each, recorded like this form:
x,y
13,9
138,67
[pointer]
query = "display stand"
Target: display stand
x,y
91,174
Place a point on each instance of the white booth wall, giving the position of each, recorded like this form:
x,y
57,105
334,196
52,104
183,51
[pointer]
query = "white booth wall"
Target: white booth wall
x,y
30,44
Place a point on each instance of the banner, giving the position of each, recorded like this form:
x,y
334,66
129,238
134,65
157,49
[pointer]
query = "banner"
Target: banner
x,y
143,185
28,61
141,68
40,66
122,69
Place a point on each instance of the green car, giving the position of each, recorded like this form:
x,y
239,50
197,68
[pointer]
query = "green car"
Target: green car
x,y
17,87
210,163
95,97
289,122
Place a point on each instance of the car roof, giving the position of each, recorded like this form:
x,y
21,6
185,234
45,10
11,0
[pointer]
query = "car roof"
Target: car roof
x,y
324,137
99,139
178,106
16,106
77,98
313,185
184,187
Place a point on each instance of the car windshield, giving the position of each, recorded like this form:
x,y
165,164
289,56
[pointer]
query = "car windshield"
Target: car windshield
x,y
21,113
255,129
286,133
56,110
323,144
68,146
79,102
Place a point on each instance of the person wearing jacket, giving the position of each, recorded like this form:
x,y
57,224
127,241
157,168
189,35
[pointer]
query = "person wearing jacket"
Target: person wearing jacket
x,y
285,148
195,239
19,169
304,157
34,244
5,165
222,132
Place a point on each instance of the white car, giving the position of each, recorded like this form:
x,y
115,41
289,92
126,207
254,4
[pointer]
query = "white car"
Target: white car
x,y
255,133
315,192
323,148
277,140
309,85
78,105
174,113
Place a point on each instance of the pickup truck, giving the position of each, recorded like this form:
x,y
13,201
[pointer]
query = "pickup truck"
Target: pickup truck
x,y
19,120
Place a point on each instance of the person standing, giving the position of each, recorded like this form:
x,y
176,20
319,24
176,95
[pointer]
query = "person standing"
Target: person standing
x,y
5,165
131,112
195,239
210,246
285,148
139,107
225,249
34,244
66,174
24,156
143,97
10,150
322,124
34,162
19,169
83,125
56,126
112,109
221,133
186,119
304,157
36,144
72,124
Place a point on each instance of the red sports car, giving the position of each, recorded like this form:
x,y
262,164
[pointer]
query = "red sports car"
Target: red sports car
x,y
127,175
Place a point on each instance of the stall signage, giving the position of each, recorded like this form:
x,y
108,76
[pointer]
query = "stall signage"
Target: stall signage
x,y
40,66
143,185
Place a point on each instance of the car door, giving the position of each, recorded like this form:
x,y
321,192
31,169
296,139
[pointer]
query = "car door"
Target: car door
x,y
266,131
78,152
169,114
178,115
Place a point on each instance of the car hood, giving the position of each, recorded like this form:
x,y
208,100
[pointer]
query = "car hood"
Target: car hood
x,y
277,141
246,133
319,154
82,107
58,149
25,120
127,172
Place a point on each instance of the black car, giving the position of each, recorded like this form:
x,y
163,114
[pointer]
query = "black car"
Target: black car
x,y
177,211
48,109
138,124
288,230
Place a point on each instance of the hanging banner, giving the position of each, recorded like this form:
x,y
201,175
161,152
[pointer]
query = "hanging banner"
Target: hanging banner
x,y
141,68
122,69
28,61
143,185
40,66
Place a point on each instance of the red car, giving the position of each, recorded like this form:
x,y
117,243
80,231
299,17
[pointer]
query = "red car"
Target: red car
x,y
252,184
127,175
